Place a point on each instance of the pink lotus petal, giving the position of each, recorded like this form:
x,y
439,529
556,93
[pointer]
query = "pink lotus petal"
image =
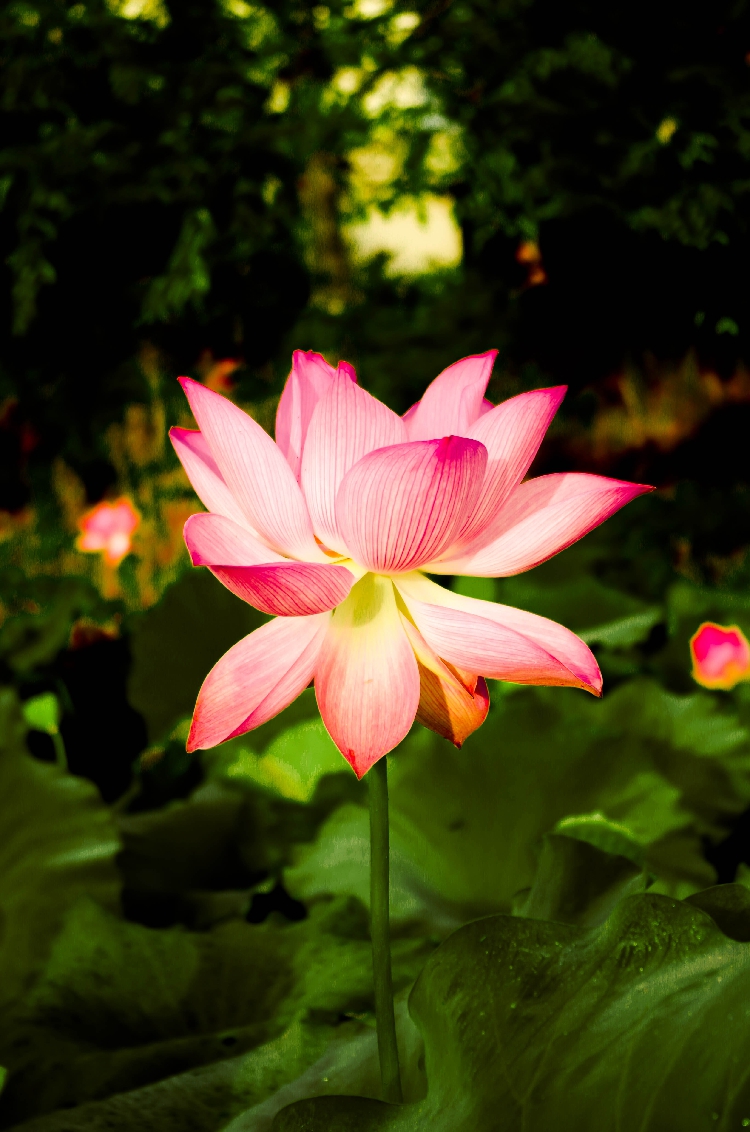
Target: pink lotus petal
x,y
500,642
446,705
542,517
485,407
511,432
453,402
346,425
266,580
721,655
309,380
203,472
215,540
401,506
257,678
288,589
255,472
367,680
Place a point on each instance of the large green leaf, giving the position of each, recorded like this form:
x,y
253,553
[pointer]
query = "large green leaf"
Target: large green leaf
x,y
95,1008
637,1024
292,764
204,1098
119,1007
466,825
195,860
349,1065
565,589
58,843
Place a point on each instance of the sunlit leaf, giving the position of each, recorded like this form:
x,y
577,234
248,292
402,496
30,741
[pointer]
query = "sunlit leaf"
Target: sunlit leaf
x,y
43,712
292,765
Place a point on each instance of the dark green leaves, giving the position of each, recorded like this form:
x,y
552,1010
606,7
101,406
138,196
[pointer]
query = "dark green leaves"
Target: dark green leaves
x,y
639,1023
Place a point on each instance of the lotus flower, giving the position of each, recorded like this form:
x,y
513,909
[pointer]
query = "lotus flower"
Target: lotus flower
x,y
334,529
721,655
108,528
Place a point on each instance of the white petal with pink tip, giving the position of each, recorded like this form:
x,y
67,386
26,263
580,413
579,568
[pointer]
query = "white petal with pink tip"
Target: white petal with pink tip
x,y
401,506
542,517
511,433
309,380
255,472
454,400
346,425
204,475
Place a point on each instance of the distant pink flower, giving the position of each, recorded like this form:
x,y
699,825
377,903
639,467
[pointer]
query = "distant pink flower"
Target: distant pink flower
x,y
108,527
333,529
721,655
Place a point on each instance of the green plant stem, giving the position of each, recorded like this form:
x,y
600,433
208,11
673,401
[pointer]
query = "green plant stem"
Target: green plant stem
x,y
61,757
390,1076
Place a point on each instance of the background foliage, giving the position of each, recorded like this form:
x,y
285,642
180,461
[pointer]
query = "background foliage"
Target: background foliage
x,y
202,187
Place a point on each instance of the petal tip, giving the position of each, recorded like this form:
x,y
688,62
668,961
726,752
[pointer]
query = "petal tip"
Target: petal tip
x,y
346,369
192,743
636,490
359,766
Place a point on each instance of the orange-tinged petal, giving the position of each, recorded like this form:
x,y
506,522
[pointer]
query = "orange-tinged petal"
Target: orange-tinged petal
x,y
366,679
721,655
498,640
446,704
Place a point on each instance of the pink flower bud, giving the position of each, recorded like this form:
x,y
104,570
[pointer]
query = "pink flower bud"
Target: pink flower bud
x,y
108,528
721,655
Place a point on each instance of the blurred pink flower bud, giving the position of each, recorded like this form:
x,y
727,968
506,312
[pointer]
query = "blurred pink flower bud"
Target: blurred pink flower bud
x,y
108,527
721,655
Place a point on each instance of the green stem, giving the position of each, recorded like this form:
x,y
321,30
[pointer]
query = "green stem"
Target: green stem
x,y
60,756
390,1076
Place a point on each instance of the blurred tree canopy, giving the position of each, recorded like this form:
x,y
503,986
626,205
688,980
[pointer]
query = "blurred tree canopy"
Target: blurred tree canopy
x,y
177,174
